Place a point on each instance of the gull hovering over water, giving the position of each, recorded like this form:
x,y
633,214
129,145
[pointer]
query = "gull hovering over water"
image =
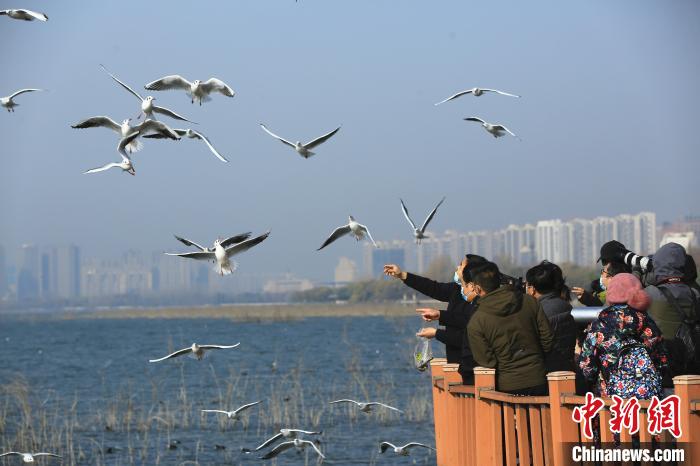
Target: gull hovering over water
x,y
192,134
366,407
25,15
198,90
284,446
196,351
225,243
161,129
147,106
495,129
302,149
419,233
283,433
125,164
221,255
10,104
29,457
235,414
357,230
477,91
403,451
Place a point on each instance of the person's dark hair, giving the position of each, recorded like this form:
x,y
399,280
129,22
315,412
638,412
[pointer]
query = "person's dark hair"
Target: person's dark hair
x,y
487,276
473,261
546,277
618,267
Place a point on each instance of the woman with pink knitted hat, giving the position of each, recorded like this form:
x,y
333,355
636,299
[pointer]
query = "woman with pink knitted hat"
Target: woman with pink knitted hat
x,y
622,353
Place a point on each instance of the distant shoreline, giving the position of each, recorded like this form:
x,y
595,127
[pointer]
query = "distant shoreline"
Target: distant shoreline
x,y
243,312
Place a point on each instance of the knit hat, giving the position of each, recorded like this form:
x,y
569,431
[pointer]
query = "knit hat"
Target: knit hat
x,y
625,288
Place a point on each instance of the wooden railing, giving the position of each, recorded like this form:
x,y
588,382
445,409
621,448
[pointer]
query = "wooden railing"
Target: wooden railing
x,y
479,426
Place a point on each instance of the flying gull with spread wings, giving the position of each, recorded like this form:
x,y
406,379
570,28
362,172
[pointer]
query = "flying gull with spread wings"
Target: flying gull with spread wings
x,y
302,149
126,164
149,126
366,407
225,243
9,103
495,129
192,134
24,15
353,227
476,92
195,351
419,233
197,90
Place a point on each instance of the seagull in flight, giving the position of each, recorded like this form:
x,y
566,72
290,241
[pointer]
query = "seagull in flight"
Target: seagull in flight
x,y
495,129
419,233
126,163
477,92
147,106
402,451
221,255
302,149
195,351
198,90
235,414
29,457
192,134
10,104
283,433
284,446
225,243
357,230
160,129
25,15
366,407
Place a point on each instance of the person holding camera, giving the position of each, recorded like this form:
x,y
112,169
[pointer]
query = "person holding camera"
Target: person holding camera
x,y
612,257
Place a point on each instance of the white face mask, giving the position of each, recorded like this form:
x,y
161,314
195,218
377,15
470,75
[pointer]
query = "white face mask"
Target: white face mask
x,y
456,279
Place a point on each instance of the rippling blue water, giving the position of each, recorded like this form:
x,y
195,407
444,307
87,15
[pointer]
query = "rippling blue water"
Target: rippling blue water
x,y
295,367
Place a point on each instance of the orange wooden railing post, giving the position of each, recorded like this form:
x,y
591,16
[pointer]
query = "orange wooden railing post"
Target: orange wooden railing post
x,y
439,408
687,387
484,379
564,429
454,429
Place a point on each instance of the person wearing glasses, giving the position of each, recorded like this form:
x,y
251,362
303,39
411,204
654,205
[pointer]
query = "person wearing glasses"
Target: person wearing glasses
x,y
594,294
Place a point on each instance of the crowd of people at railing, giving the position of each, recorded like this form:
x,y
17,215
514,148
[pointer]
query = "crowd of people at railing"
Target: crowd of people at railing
x,y
647,333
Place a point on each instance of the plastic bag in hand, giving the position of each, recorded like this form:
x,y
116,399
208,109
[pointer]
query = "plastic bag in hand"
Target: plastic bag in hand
x,y
422,354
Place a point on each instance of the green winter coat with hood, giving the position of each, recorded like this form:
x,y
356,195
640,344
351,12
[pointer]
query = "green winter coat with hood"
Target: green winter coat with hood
x,y
509,331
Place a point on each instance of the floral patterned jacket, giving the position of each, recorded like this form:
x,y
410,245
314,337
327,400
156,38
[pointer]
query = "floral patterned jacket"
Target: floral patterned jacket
x,y
604,338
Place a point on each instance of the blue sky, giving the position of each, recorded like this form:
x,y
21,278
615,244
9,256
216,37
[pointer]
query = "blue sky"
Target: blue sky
x,y
607,120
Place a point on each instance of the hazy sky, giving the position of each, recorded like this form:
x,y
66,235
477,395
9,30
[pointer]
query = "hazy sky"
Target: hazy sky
x,y
608,120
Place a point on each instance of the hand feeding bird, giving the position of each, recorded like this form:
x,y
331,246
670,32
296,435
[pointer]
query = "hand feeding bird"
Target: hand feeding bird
x,y
419,233
402,451
149,126
24,15
283,433
126,164
357,230
496,130
9,103
221,255
192,134
225,243
30,457
147,106
195,351
477,92
235,414
198,90
366,407
302,149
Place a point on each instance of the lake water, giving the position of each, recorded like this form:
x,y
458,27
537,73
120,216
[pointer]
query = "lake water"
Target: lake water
x,y
84,388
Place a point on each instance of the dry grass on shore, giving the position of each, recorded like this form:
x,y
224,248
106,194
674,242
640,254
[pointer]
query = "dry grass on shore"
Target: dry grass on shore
x,y
248,313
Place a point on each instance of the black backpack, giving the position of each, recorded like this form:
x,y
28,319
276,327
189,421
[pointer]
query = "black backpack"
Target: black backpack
x,y
688,333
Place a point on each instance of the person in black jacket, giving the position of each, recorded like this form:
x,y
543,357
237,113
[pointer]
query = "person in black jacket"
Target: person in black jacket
x,y
454,318
545,282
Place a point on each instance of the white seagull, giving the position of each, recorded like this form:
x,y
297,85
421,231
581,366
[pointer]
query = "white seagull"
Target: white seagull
x,y
495,129
477,91
161,129
10,104
192,134
221,256
29,457
366,407
198,90
235,414
147,107
126,163
298,443
283,433
25,15
357,230
196,351
303,149
419,233
225,243
403,451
